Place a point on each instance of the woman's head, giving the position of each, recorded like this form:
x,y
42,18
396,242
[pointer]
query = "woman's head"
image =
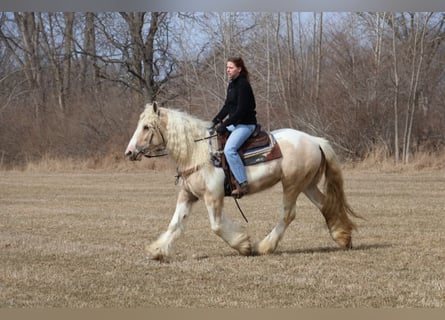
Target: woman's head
x,y
236,66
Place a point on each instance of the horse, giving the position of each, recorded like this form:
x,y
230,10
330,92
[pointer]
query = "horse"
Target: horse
x,y
305,160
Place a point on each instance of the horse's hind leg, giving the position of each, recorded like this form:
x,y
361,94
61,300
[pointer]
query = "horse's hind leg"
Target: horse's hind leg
x,y
340,231
270,242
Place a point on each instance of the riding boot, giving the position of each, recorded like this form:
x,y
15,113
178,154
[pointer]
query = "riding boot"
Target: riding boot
x,y
241,191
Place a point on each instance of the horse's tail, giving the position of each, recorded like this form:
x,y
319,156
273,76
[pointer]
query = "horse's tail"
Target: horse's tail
x,y
335,209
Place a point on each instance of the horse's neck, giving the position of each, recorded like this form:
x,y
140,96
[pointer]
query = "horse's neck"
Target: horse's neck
x,y
184,150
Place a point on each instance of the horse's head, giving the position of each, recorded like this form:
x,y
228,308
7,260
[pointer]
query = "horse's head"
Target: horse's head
x,y
148,138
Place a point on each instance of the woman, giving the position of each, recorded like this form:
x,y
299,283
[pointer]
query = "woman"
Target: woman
x,y
239,108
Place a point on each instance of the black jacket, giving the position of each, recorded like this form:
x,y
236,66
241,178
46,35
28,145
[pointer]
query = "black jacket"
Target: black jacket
x,y
239,105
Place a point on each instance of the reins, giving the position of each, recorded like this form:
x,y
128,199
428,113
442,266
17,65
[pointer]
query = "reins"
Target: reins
x,y
240,210
155,156
206,138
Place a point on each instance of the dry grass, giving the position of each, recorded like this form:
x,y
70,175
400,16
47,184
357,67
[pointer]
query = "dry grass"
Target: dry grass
x,y
115,162
75,238
378,159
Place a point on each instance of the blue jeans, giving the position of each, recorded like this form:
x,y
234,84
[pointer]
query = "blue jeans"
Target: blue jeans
x,y
239,134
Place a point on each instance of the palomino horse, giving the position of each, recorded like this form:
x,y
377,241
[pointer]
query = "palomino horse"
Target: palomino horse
x,y
305,159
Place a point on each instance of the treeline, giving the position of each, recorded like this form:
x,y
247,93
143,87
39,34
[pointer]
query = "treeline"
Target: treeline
x,y
73,84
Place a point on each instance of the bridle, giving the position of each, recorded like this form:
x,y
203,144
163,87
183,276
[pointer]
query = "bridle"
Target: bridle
x,y
146,151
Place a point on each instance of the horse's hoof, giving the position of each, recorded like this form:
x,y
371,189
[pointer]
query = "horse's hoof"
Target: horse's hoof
x,y
343,239
245,249
264,247
156,254
246,252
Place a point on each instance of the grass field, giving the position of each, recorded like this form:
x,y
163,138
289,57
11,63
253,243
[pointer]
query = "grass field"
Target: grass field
x,y
76,239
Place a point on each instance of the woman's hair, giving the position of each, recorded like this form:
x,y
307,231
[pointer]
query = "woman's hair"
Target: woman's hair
x,y
239,62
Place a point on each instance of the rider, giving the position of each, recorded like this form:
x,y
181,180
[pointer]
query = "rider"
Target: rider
x,y
239,106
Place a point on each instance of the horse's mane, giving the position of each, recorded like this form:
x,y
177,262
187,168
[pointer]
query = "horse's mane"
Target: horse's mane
x,y
182,131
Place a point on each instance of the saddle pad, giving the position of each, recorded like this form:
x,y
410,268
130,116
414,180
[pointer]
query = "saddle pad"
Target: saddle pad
x,y
258,154
261,139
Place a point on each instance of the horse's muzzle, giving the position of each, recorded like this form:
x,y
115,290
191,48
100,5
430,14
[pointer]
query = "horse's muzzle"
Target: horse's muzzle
x,y
133,155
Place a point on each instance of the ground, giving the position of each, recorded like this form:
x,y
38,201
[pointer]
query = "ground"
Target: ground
x,y
76,239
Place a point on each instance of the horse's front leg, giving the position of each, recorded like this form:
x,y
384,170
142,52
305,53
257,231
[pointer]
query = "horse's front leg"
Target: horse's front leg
x,y
162,247
230,231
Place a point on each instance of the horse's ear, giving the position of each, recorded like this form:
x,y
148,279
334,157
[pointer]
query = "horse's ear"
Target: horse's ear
x,y
156,108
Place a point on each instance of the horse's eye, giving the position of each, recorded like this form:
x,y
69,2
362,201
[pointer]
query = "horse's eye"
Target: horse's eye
x,y
146,127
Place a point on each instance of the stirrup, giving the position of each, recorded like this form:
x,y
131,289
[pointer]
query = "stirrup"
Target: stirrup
x,y
241,191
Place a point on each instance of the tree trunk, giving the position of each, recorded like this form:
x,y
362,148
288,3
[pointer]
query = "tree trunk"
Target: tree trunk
x,y
318,60
416,66
141,58
66,67
281,73
29,32
396,92
416,86
268,102
88,76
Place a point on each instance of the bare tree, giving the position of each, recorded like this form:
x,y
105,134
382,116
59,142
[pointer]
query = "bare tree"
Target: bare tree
x,y
140,62
68,49
417,65
89,59
396,92
140,48
29,44
59,60
318,38
282,71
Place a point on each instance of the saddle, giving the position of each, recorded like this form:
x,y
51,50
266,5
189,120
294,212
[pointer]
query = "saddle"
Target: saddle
x,y
260,147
